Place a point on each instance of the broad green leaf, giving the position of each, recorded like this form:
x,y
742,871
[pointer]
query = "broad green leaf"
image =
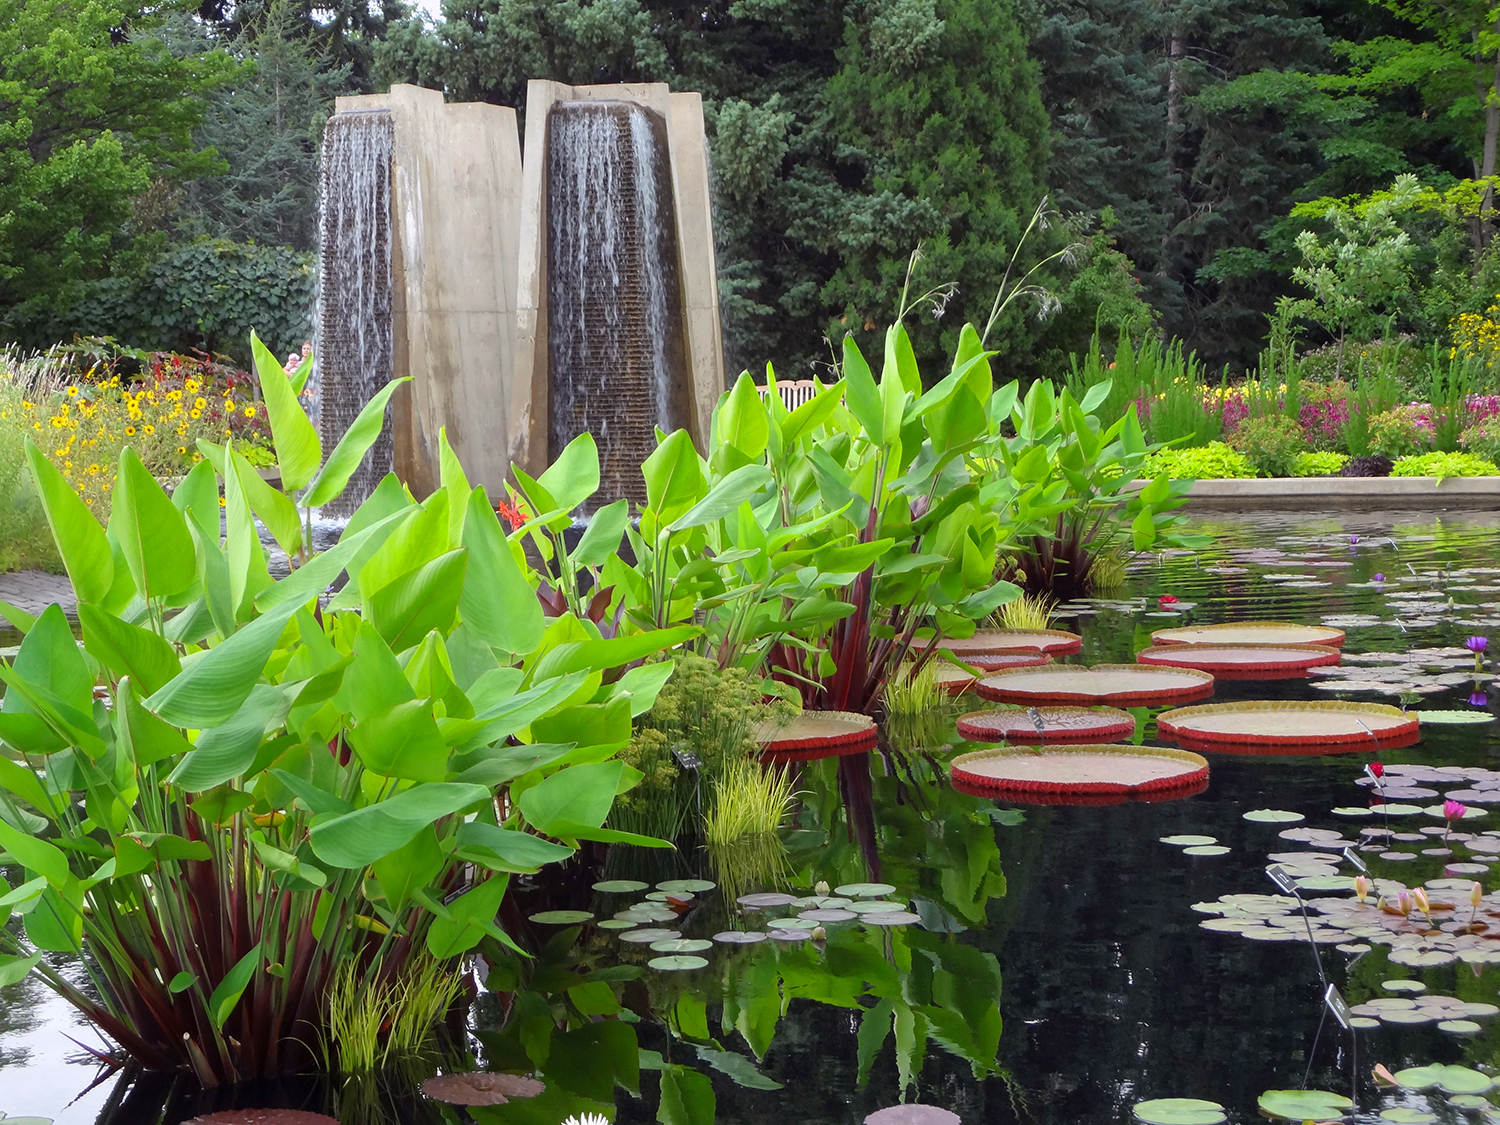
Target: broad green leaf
x,y
80,539
153,534
359,838
146,737
13,968
402,741
197,498
46,860
49,660
275,508
610,652
410,868
298,450
579,795
497,602
456,483
602,536
516,851
471,917
588,724
574,476
126,649
334,476
674,479
860,393
375,681
213,687
426,598
312,579
226,751
17,779
248,573
224,998
687,1097
642,685
724,497
742,421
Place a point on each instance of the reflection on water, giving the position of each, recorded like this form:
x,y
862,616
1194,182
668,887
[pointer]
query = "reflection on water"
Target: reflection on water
x,y
1059,973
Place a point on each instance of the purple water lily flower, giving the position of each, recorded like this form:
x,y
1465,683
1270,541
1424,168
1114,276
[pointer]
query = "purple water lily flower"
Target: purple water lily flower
x,y
1477,644
1479,699
1378,577
1353,540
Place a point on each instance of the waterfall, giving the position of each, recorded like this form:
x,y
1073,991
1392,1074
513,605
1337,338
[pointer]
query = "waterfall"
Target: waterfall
x,y
354,344
614,305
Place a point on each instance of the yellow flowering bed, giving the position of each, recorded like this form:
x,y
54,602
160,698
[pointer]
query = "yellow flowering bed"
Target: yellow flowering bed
x,y
1476,336
82,427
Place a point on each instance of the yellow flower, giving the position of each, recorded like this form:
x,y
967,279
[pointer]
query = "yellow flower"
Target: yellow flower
x,y
221,501
130,431
150,429
191,386
72,391
229,405
249,412
198,404
196,413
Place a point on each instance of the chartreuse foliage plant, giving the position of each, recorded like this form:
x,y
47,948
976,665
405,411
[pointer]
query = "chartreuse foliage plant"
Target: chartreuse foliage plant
x,y
228,796
1214,461
1444,465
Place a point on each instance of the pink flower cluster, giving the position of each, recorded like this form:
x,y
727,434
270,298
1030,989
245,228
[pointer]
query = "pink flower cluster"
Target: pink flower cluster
x,y
1324,421
1484,406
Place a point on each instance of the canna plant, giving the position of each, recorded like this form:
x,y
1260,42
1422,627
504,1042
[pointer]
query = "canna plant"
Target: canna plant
x,y
231,795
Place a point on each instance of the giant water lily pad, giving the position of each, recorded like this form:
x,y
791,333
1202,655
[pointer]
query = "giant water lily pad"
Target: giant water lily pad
x,y
1178,1111
1303,1105
1133,685
1242,662
816,734
1251,633
1289,727
1051,642
1449,1079
1126,770
1047,725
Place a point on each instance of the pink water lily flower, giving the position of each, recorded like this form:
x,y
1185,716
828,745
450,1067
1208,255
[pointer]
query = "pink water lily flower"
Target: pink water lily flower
x,y
1454,810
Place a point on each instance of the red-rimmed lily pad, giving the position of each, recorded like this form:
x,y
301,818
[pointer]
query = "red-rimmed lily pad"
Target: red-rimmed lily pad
x,y
1125,684
1242,662
953,679
242,1117
1080,770
817,734
1050,642
912,1115
1288,727
1047,725
997,661
1250,633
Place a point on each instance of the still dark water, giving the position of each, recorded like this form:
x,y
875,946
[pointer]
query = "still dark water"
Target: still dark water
x,y
1110,992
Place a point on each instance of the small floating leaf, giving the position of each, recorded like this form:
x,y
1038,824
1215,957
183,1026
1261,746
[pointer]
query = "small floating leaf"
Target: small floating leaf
x,y
1468,1101
1187,841
681,945
1455,717
1206,849
676,963
739,937
619,886
875,906
1303,1105
896,918
864,890
1273,816
1403,986
1178,1111
647,935
1459,1027
562,917
1402,1115
766,899
692,886
617,924
1449,1079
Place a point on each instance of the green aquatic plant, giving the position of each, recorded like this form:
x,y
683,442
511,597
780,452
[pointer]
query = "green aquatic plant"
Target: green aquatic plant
x,y
1028,613
749,799
1444,465
918,710
230,789
370,1026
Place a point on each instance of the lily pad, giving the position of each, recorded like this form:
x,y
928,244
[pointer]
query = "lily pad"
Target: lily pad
x,y
1303,1105
763,900
1187,842
864,890
1351,810
681,945
1403,986
1273,816
895,918
1206,849
794,923
1449,1079
676,963
648,935
668,896
620,886
875,906
1455,718
561,917
692,886
1178,1111
1404,1115
739,937
617,924
1459,1027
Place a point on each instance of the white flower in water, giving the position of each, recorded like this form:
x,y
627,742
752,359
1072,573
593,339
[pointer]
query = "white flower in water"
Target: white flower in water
x,y
588,1119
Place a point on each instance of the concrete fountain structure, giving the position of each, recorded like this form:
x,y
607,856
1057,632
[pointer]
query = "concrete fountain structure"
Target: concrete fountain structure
x,y
528,301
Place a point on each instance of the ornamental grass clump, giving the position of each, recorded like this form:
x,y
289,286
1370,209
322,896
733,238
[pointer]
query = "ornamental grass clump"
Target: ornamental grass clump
x,y
918,710
748,800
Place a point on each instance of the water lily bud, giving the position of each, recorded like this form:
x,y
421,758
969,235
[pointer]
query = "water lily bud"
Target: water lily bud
x,y
1403,903
1476,895
1419,896
819,934
1361,887
1375,770
821,890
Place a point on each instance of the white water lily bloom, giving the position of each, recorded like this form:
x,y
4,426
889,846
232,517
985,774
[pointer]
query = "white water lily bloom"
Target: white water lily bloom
x,y
588,1119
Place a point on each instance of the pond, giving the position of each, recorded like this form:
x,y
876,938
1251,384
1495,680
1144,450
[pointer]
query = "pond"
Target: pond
x,y
1078,921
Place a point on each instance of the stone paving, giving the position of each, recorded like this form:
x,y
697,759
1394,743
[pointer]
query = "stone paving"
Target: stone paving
x,y
32,591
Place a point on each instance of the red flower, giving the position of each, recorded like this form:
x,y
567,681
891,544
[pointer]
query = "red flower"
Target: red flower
x,y
1376,769
1166,599
512,514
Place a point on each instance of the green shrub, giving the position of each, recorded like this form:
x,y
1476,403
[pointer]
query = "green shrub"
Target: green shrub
x,y
1444,465
1318,463
1401,432
1214,461
1271,443
1482,438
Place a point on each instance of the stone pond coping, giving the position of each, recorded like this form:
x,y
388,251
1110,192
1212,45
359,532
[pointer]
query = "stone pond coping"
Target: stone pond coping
x,y
1347,493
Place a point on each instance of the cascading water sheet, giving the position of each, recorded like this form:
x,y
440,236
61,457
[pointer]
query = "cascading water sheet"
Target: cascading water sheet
x,y
354,341
614,315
